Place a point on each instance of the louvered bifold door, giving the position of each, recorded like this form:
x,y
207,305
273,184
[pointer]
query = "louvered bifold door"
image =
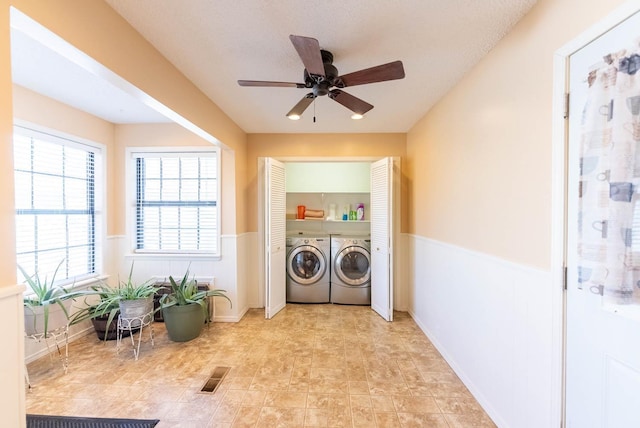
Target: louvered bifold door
x,y
381,238
275,239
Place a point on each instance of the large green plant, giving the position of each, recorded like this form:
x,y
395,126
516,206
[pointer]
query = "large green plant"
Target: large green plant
x,y
43,294
186,292
130,290
110,298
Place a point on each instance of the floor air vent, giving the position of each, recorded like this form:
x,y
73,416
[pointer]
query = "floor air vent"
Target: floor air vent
x,y
215,380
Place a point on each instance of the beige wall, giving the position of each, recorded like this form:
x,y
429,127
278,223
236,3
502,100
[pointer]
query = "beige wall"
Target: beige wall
x,y
7,213
40,110
45,112
242,190
95,28
314,146
162,135
479,163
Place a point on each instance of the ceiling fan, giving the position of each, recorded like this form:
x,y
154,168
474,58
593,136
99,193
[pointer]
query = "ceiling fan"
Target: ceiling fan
x,y
320,75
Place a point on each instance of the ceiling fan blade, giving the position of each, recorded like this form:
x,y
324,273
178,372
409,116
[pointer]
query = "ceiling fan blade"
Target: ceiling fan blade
x,y
381,73
308,49
269,84
302,105
354,104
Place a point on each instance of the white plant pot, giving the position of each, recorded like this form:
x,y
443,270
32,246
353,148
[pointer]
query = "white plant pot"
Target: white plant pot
x,y
34,318
136,310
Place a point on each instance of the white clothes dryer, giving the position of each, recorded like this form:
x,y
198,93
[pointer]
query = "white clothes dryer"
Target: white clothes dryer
x,y
351,270
308,269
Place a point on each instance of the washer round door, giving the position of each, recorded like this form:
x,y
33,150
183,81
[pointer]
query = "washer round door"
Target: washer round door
x,y
353,266
306,265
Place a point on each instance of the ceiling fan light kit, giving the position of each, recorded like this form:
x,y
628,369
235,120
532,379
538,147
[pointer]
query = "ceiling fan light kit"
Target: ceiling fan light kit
x,y
321,76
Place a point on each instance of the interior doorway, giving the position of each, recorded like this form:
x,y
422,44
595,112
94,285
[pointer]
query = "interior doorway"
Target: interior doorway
x,y
594,239
384,226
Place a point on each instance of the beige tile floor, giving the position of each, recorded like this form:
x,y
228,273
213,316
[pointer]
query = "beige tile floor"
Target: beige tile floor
x,y
310,366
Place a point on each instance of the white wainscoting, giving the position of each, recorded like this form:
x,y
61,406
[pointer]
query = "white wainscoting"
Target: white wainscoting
x,y
247,271
249,253
498,324
401,274
223,269
34,349
12,393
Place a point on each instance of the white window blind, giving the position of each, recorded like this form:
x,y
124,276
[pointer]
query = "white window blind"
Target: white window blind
x,y
55,200
176,205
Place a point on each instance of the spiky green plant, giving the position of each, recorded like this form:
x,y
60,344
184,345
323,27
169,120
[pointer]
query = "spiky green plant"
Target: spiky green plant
x,y
110,297
186,292
44,293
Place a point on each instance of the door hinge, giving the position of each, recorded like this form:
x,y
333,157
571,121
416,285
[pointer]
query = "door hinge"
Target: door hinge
x,y
564,277
566,105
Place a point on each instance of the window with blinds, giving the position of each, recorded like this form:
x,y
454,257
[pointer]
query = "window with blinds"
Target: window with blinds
x,y
57,219
176,202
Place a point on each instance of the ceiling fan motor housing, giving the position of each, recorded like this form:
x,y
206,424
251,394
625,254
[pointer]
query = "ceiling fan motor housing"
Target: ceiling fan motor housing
x,y
324,77
322,84
327,57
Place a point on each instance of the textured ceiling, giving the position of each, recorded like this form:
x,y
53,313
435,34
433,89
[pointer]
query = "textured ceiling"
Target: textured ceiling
x,y
215,43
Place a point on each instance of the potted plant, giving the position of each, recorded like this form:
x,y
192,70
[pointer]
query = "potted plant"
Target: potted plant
x,y
134,300
104,317
185,308
46,306
129,299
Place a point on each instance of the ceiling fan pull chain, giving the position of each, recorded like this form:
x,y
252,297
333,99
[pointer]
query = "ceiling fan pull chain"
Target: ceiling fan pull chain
x,y
314,110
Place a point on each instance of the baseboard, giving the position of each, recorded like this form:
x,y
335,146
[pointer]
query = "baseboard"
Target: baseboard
x,y
231,318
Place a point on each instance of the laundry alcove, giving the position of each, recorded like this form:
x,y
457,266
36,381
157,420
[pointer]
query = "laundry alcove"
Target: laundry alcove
x,y
383,219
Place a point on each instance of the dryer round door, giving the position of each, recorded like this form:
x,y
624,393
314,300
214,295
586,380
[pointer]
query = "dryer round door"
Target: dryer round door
x,y
306,264
353,266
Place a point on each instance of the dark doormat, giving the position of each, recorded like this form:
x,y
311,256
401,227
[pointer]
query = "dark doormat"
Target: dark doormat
x,y
44,421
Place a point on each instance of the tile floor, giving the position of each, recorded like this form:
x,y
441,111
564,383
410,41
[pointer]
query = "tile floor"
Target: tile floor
x,y
310,366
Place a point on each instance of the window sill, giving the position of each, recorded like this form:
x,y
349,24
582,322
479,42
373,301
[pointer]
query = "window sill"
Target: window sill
x,y
74,286
88,282
173,256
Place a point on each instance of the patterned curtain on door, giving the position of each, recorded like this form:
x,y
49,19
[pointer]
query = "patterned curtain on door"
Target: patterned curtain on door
x,y
609,213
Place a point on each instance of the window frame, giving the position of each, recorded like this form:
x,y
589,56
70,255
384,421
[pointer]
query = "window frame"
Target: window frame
x,y
32,130
131,202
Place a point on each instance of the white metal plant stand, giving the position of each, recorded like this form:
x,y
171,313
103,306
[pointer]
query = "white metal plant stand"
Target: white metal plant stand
x,y
131,325
60,338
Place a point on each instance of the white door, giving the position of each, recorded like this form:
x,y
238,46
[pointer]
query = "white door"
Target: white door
x,y
274,237
603,247
382,207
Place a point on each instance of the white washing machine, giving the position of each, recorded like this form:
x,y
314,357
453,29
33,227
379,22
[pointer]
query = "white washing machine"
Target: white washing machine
x,y
308,268
351,270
